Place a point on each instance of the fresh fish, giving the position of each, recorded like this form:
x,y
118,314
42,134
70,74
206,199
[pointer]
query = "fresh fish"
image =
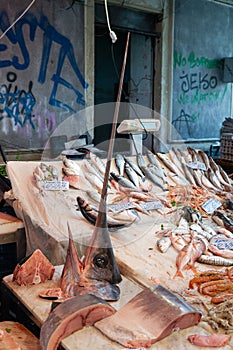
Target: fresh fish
x,y
132,175
70,316
211,340
213,179
204,158
224,175
98,162
90,214
154,160
188,174
72,166
156,171
184,257
95,196
120,163
227,222
123,181
193,154
176,159
163,244
154,179
141,161
91,168
95,275
215,260
134,166
94,180
168,164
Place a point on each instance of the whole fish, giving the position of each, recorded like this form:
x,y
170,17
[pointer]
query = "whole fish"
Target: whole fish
x,y
215,260
90,214
134,166
71,166
203,157
120,163
132,175
141,161
91,168
154,160
154,179
98,162
213,179
123,181
94,180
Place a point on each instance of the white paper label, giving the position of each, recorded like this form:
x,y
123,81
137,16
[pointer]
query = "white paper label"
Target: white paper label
x,y
151,205
56,185
197,165
211,205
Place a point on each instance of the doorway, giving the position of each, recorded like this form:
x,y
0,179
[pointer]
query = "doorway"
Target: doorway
x,y
138,86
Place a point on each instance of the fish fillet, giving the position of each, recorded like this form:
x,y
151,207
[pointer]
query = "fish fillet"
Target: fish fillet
x,y
71,316
150,316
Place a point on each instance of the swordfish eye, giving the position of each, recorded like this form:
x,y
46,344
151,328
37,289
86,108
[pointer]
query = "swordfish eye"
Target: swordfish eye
x,y
100,261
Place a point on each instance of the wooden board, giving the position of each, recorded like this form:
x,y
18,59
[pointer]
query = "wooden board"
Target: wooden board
x,y
23,337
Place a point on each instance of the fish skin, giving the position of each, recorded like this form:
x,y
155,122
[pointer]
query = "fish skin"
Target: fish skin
x,y
98,162
132,175
123,181
204,158
141,161
134,166
154,160
90,276
154,179
120,163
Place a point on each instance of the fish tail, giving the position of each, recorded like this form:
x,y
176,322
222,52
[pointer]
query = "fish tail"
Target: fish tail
x,y
178,274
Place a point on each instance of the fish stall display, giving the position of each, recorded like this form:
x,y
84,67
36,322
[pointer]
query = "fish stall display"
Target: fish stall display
x,y
182,203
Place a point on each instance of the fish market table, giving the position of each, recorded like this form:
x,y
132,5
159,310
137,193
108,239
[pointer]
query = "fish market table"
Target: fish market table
x,y
90,337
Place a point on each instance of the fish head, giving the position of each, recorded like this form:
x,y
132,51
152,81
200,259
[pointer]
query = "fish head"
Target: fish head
x,y
101,266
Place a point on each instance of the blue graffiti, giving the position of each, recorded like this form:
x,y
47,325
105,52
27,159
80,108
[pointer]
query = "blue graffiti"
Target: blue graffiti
x,y
18,104
50,36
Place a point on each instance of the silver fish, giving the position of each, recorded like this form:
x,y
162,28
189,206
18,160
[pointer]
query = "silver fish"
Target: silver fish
x,y
154,160
134,166
213,179
132,175
204,158
123,181
154,179
141,161
98,162
92,168
120,163
215,260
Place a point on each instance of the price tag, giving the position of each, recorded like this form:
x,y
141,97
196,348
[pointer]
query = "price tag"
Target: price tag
x,y
211,205
56,185
151,205
197,165
222,242
117,208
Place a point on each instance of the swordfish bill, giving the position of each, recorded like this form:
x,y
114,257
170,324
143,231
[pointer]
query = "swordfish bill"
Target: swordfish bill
x,y
99,262
72,270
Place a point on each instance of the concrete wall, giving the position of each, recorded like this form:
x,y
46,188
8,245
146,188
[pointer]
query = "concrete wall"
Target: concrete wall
x,y
41,70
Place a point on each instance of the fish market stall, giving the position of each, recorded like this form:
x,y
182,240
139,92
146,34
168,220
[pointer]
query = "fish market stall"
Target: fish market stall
x,y
170,226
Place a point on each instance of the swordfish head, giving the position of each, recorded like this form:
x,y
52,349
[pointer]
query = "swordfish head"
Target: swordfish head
x,y
100,263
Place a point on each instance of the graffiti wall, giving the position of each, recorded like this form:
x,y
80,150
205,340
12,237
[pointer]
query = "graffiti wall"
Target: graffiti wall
x,y
202,36
41,69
